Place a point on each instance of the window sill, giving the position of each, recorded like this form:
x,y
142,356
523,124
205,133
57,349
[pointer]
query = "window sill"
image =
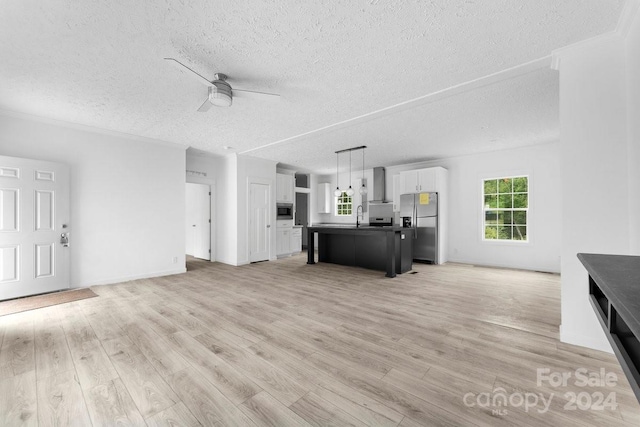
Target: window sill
x,y
506,242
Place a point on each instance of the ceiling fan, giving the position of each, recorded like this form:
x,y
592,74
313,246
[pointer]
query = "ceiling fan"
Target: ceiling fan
x,y
220,92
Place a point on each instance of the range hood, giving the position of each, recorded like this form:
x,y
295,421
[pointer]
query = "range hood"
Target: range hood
x,y
377,195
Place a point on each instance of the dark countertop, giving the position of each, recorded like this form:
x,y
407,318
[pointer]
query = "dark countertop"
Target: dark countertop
x,y
352,227
618,276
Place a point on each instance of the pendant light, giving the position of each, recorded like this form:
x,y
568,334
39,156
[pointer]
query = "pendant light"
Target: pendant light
x,y
337,193
350,191
363,188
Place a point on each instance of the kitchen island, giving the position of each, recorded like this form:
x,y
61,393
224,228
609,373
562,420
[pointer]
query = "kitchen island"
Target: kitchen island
x,y
385,248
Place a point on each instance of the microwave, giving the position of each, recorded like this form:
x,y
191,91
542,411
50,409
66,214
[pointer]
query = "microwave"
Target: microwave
x,y
284,210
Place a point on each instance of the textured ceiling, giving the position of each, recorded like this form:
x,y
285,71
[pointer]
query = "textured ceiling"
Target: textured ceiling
x,y
516,112
100,64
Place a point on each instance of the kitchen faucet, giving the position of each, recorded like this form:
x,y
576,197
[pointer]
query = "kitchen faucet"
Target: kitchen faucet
x,y
359,214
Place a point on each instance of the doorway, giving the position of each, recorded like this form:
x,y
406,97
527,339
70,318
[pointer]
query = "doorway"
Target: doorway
x,y
302,215
198,221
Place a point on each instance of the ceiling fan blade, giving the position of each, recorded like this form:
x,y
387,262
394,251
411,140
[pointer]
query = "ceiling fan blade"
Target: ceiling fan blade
x,y
242,93
206,105
181,66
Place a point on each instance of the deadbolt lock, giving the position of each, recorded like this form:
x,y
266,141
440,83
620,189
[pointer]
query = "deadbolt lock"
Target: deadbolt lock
x,y
64,240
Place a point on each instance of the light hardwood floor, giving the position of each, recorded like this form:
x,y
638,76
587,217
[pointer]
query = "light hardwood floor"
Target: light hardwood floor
x,y
283,343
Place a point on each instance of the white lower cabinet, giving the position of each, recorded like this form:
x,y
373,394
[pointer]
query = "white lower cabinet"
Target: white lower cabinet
x,y
288,240
283,241
284,227
296,240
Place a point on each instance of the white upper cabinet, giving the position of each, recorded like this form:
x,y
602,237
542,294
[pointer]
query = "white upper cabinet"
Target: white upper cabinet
x,y
429,179
284,188
408,182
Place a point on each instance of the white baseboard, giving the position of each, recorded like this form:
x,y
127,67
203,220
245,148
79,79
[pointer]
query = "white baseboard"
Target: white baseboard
x,y
484,263
592,342
129,278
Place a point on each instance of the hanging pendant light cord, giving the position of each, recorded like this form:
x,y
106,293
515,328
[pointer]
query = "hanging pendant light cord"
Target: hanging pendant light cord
x,y
363,187
337,169
349,191
349,169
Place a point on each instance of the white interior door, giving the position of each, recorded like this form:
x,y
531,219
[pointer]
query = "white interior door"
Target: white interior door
x,y
259,223
34,216
198,225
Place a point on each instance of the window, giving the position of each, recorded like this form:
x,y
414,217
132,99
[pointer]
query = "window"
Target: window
x,y
344,204
506,208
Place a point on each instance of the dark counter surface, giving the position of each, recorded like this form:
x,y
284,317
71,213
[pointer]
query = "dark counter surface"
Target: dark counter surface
x,y
361,227
619,278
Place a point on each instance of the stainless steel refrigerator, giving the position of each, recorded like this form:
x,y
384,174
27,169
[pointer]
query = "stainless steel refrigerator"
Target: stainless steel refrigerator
x,y
420,212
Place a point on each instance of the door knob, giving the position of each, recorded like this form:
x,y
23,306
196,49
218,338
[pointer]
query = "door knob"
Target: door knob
x,y
64,240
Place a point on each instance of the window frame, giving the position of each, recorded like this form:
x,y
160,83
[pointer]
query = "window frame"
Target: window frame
x,y
485,209
337,204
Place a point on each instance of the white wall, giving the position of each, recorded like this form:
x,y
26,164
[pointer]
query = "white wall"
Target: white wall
x,y
598,94
466,174
632,55
227,210
127,198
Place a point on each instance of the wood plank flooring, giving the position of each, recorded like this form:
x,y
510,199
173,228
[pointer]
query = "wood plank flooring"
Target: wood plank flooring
x,y
284,343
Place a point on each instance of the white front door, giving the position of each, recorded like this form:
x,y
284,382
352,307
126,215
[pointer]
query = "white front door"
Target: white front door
x,y
34,221
259,223
198,215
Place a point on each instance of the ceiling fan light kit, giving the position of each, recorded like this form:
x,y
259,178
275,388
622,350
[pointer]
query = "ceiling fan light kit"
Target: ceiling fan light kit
x,y
220,96
220,92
